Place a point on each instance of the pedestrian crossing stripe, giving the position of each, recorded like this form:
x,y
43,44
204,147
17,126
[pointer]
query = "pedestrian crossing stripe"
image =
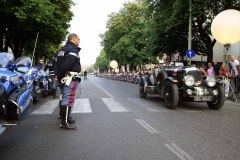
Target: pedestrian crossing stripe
x,y
46,108
82,106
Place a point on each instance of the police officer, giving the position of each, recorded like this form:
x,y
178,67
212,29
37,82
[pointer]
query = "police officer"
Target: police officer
x,y
68,69
85,74
40,65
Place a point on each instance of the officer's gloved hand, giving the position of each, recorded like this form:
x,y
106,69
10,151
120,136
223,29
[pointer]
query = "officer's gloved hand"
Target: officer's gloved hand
x,y
77,78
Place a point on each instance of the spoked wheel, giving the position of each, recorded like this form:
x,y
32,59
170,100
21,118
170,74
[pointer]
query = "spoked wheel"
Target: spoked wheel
x,y
218,102
142,92
170,95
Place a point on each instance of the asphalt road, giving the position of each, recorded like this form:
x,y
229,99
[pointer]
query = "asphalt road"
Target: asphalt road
x,y
115,124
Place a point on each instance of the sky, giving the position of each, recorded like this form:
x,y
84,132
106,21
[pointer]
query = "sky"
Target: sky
x,y
90,17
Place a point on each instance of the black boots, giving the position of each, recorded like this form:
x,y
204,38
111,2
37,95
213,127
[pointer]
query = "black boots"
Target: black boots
x,y
64,112
70,120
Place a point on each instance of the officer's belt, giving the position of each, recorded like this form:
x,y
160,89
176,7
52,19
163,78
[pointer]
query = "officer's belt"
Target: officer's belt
x,y
69,77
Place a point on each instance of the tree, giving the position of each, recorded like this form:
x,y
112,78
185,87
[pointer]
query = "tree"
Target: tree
x,y
102,62
22,20
124,40
169,25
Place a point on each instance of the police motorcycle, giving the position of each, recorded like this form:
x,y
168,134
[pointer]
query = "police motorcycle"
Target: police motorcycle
x,y
47,83
42,82
52,83
15,93
23,66
51,77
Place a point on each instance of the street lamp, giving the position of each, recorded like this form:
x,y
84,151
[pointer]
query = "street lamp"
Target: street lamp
x,y
225,28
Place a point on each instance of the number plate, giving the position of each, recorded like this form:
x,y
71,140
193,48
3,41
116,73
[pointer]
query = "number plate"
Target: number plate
x,y
203,98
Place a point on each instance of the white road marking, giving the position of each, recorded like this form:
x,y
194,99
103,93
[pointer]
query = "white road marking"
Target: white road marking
x,y
114,106
178,151
146,106
148,127
47,108
192,111
103,90
82,106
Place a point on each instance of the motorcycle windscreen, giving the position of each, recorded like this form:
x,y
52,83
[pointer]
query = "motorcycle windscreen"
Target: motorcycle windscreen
x,y
19,104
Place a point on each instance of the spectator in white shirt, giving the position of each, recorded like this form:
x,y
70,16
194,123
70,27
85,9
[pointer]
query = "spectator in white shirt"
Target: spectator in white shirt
x,y
234,71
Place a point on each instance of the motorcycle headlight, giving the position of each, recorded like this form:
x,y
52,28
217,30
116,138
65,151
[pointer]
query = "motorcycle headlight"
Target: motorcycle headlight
x,y
211,81
14,79
189,80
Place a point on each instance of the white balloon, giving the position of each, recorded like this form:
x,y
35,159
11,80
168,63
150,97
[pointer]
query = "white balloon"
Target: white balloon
x,y
225,26
113,64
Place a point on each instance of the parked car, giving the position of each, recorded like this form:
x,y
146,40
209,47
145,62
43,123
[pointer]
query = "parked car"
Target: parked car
x,y
183,83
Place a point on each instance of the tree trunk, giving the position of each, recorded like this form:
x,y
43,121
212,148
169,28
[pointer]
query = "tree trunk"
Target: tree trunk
x,y
1,41
206,39
17,47
210,55
210,51
7,44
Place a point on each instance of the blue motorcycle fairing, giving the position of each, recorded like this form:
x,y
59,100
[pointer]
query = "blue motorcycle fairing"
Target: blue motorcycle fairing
x,y
7,74
9,80
19,104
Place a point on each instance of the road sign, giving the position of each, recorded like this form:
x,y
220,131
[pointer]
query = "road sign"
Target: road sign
x,y
190,53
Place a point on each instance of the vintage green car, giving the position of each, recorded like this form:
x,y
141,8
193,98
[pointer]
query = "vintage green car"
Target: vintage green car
x,y
183,83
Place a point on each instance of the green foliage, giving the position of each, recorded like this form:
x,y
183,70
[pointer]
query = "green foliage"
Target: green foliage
x,y
125,38
149,28
102,62
23,19
168,27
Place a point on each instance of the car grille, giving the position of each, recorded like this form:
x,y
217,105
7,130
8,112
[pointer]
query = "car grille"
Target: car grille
x,y
197,76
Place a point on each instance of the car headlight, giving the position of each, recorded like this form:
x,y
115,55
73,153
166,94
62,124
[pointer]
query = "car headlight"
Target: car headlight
x,y
14,79
211,81
189,80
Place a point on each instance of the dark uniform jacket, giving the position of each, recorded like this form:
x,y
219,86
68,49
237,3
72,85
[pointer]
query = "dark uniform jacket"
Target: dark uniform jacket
x,y
68,59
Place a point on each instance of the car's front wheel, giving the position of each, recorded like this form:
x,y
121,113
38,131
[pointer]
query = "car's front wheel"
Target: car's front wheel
x,y
218,102
170,95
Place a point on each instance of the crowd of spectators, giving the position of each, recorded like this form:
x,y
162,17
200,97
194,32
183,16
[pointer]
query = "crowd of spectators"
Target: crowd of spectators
x,y
229,73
